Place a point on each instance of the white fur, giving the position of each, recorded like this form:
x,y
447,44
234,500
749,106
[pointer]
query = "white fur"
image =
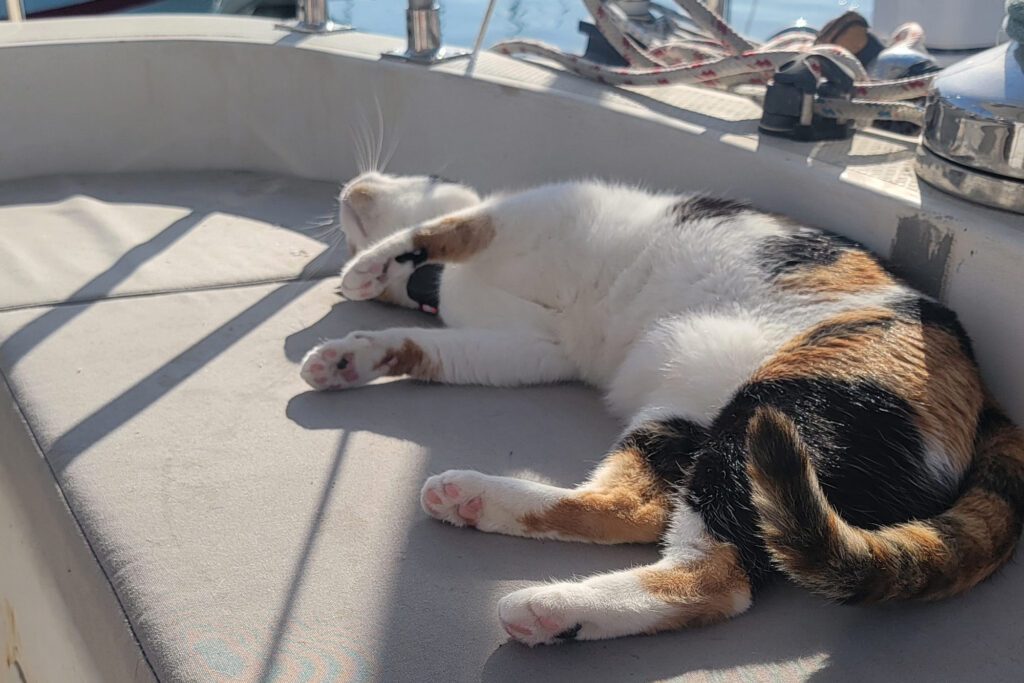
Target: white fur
x,y
686,538
604,606
617,293
502,500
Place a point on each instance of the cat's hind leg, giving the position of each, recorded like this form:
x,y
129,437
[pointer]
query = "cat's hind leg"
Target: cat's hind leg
x,y
627,499
449,239
698,585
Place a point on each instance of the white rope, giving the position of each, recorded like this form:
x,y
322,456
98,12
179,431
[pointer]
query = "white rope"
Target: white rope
x,y
865,111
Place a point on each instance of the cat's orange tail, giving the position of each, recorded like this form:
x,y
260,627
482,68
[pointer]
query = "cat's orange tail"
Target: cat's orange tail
x,y
921,559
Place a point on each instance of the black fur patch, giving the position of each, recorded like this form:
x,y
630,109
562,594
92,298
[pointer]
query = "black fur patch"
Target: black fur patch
x,y
861,441
928,312
570,633
805,247
846,328
701,207
668,446
424,285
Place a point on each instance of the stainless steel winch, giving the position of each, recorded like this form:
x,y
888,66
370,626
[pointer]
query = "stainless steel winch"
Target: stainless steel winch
x,y
973,140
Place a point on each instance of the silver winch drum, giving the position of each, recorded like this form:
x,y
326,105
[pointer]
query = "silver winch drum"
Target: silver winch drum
x,y
973,141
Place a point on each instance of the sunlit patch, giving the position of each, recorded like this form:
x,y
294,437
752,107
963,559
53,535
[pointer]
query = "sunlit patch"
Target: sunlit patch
x,y
307,649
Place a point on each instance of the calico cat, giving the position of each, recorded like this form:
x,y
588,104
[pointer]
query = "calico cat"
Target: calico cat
x,y
791,406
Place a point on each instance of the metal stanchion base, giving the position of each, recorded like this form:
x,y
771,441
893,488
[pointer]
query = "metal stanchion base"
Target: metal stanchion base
x,y
442,54
326,27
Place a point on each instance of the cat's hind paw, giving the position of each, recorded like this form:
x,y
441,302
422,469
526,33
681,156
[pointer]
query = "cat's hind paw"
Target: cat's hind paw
x,y
541,615
454,497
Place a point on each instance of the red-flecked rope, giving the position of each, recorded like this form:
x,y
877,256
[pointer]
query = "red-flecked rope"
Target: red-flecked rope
x,y
716,26
703,73
726,59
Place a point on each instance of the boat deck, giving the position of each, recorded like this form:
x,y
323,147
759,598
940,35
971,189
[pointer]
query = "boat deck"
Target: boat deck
x,y
200,515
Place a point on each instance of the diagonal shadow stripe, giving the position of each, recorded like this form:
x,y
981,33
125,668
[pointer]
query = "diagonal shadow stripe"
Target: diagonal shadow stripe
x,y
267,670
151,388
14,348
168,376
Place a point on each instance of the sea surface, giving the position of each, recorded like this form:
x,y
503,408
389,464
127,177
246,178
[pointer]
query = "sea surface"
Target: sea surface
x,y
552,21
556,21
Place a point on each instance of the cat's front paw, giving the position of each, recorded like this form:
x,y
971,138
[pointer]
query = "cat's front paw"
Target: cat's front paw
x,y
541,615
369,273
345,363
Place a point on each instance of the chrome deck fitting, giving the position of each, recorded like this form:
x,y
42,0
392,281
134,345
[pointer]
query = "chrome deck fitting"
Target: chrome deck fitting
x,y
973,142
312,17
423,29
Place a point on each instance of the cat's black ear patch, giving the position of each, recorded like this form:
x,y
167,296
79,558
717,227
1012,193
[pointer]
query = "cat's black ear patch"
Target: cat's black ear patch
x,y
703,207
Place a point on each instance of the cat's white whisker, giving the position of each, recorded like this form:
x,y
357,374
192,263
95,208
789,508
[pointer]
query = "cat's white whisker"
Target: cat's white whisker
x,y
380,134
362,138
392,148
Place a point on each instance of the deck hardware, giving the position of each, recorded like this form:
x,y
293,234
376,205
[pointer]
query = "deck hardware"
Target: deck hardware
x,y
423,31
312,17
789,101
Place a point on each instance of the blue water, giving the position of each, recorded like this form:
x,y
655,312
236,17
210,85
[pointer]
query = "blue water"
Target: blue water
x,y
556,21
552,21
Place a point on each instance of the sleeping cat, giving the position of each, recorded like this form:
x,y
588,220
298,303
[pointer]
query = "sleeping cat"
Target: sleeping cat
x,y
790,405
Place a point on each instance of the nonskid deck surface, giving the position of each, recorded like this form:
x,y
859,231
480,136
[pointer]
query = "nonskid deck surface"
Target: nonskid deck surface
x,y
249,526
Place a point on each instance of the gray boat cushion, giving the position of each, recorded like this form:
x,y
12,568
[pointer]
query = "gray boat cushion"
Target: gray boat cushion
x,y
74,238
250,526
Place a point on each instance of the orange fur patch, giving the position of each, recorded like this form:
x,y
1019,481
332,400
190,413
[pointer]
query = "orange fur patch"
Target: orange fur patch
x,y
410,359
854,271
455,239
985,541
924,559
922,364
623,503
359,194
706,591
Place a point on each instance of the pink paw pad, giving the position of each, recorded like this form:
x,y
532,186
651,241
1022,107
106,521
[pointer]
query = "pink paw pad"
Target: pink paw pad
x,y
451,490
470,510
347,369
317,367
433,498
549,623
330,354
514,630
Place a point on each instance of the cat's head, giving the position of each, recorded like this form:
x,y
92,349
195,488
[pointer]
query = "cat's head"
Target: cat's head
x,y
374,205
